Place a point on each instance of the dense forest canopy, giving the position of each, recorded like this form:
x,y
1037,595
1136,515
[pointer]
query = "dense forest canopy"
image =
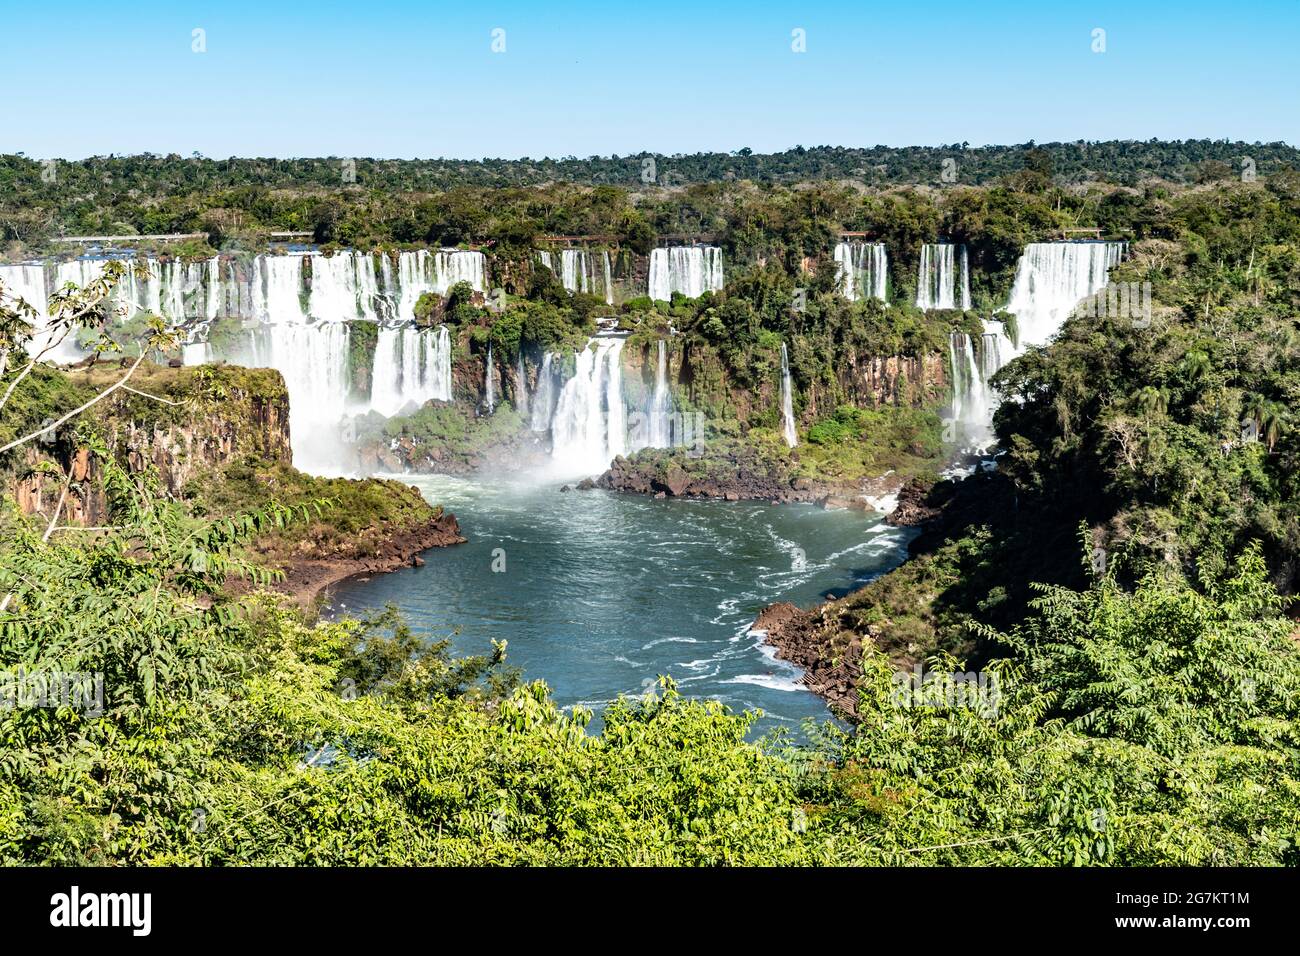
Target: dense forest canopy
x,y
1145,710
40,199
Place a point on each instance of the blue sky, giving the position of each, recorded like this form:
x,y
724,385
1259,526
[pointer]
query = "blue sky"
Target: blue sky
x,y
579,78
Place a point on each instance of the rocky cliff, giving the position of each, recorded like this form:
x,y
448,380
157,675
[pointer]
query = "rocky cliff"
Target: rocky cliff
x,y
179,421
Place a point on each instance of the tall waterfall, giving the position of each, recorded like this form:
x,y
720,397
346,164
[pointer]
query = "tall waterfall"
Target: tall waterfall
x,y
660,429
277,291
690,270
489,398
577,271
314,362
863,270
546,394
943,280
787,401
423,271
1051,279
589,427
27,282
521,386
343,288
411,366
973,398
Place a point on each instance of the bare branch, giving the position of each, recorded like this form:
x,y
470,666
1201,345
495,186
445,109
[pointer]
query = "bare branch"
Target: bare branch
x,y
120,383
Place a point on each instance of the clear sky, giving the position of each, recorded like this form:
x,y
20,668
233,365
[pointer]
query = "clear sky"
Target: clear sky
x,y
403,79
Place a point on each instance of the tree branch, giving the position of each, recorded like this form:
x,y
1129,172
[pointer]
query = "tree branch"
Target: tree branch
x,y
120,383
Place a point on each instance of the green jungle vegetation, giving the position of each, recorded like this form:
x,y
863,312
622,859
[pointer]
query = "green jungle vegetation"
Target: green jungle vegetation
x,y
1137,710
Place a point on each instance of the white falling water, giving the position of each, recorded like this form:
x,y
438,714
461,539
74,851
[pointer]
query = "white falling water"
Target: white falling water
x,y
964,302
278,290
1051,279
589,427
521,386
489,395
787,401
212,292
660,434
690,270
27,282
314,362
423,271
943,279
343,288
863,270
412,366
576,271
607,273
973,398
545,395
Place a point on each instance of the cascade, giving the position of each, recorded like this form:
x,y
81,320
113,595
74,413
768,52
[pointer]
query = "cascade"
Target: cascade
x,y
973,398
489,398
212,292
545,396
589,427
607,270
577,271
943,279
412,366
27,282
343,288
521,386
690,270
314,362
277,291
422,271
1051,279
787,401
660,433
863,270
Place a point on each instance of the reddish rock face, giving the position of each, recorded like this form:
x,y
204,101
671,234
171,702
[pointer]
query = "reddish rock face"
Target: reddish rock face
x,y
179,448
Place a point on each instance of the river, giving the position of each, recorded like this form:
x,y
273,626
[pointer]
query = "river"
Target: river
x,y
598,593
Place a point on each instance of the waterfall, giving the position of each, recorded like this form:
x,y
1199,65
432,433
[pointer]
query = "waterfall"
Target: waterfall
x,y
27,282
212,293
343,288
277,292
489,398
973,399
412,366
577,271
545,395
422,271
1051,279
940,282
787,401
690,270
521,386
451,266
661,404
863,270
589,427
965,280
314,362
